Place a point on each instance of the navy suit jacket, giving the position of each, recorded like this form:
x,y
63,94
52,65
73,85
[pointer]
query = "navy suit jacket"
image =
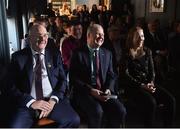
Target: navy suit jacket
x,y
21,74
80,70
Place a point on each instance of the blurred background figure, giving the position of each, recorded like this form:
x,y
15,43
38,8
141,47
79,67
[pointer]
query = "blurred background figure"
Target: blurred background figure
x,y
64,10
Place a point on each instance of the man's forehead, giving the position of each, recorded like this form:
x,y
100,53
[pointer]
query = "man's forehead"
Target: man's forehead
x,y
99,29
38,30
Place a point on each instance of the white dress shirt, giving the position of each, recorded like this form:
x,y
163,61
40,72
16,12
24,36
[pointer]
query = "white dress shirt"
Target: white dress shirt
x,y
46,86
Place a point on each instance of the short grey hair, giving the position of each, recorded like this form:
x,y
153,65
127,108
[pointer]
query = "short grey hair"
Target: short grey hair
x,y
35,28
92,28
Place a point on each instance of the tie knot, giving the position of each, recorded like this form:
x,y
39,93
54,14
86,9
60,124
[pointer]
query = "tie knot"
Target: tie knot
x,y
96,52
38,55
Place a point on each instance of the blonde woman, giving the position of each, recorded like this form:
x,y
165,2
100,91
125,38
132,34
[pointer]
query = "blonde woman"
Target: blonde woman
x,y
64,10
141,87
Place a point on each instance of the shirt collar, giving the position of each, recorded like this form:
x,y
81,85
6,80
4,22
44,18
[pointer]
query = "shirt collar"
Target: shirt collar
x,y
92,49
35,52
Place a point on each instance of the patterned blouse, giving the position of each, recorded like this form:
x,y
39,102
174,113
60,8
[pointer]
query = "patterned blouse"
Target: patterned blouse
x,y
140,70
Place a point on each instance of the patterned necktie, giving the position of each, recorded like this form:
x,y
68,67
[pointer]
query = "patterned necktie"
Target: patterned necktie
x,y
38,78
98,83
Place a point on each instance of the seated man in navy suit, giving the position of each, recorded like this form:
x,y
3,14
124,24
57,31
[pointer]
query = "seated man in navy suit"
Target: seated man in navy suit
x,y
92,77
38,83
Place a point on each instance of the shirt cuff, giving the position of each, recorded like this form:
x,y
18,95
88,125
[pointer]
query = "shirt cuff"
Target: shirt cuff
x,y
55,97
30,102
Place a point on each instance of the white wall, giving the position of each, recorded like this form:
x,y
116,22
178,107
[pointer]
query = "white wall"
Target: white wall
x,y
13,35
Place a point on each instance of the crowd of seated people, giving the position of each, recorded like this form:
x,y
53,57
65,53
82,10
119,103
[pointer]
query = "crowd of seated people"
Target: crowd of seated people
x,y
140,59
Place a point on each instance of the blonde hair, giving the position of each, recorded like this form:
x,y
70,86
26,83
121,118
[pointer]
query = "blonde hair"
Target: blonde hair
x,y
130,43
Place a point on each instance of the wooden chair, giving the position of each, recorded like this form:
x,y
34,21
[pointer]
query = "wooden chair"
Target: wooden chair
x,y
44,122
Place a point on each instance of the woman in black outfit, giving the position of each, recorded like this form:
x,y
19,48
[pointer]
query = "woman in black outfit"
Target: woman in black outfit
x,y
141,88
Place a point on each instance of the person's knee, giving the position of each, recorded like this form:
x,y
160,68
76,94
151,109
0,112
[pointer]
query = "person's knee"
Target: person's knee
x,y
98,112
173,101
21,124
151,106
70,122
123,112
75,121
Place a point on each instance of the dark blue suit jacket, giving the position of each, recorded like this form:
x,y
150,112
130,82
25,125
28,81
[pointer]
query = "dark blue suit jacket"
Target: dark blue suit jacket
x,y
21,74
80,70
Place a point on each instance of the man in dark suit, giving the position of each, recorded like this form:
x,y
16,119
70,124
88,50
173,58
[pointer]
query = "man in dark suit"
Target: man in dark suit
x,y
24,81
156,40
93,81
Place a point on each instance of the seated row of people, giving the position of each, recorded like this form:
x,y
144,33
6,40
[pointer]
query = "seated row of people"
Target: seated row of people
x,y
37,82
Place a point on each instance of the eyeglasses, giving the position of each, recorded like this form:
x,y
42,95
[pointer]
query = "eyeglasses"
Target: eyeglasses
x,y
40,36
100,34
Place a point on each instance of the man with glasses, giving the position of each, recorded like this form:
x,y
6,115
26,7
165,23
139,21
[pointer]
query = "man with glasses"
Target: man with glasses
x,y
37,82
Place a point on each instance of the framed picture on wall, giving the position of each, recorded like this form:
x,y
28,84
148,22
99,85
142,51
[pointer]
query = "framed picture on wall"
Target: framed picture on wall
x,y
156,5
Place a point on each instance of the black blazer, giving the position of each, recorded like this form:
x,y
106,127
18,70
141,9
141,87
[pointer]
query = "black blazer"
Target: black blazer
x,y
80,70
21,74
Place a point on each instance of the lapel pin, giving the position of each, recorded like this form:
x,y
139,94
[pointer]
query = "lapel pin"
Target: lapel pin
x,y
49,65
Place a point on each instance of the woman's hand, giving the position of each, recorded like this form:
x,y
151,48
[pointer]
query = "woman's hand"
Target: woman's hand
x,y
149,87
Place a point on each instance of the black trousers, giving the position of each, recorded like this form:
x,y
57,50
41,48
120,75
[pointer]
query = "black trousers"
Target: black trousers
x,y
147,103
94,110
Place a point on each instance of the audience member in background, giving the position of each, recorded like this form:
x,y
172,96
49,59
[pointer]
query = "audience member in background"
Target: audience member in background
x,y
174,64
85,20
141,22
64,10
71,43
171,28
49,11
116,44
37,84
51,28
156,40
140,84
67,28
94,13
24,41
86,16
59,29
112,20
91,79
174,51
103,18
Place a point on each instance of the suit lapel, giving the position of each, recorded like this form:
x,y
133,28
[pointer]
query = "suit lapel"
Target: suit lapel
x,y
29,65
86,58
102,61
49,64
